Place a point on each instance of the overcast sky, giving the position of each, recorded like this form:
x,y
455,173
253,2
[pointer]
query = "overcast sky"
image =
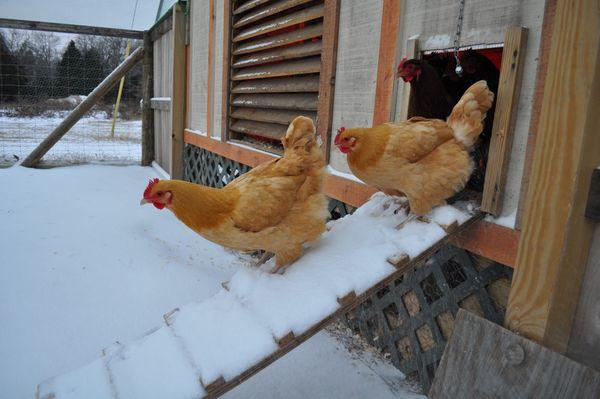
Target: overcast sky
x,y
105,13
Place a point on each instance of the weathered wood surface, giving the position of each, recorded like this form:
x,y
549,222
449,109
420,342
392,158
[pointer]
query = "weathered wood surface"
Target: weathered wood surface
x,y
163,27
267,11
305,15
96,95
282,39
412,51
556,236
163,86
487,239
248,5
178,93
295,84
270,115
388,60
484,360
295,101
210,68
161,103
300,50
266,130
287,68
538,95
147,113
347,303
592,209
69,28
327,74
507,98
225,83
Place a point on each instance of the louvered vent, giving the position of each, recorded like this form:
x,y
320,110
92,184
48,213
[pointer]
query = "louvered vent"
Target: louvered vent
x,y
275,62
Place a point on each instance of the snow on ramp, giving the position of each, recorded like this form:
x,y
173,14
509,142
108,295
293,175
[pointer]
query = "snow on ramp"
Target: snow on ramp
x,y
205,347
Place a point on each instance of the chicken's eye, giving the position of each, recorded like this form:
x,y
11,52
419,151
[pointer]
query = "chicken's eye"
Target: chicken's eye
x,y
159,193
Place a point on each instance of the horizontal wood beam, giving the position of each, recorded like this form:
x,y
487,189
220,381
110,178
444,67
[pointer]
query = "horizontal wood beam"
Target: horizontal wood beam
x,y
483,238
69,28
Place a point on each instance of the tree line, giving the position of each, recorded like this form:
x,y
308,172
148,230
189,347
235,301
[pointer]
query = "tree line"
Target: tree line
x,y
34,67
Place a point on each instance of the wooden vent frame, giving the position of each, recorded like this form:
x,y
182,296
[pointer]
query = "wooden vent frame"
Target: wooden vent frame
x,y
278,62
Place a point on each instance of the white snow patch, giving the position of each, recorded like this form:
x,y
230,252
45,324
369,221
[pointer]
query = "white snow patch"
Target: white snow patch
x,y
348,176
509,220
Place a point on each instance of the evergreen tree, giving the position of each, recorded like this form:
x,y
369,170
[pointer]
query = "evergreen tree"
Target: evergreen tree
x,y
70,72
93,69
11,80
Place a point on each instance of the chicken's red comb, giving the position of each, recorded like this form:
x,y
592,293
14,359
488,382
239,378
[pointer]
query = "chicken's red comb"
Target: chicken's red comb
x,y
341,130
151,183
402,61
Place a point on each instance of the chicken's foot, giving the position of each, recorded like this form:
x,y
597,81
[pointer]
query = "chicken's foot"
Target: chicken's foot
x,y
411,217
264,258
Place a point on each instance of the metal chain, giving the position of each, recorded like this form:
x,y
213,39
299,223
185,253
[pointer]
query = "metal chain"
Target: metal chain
x,y
459,21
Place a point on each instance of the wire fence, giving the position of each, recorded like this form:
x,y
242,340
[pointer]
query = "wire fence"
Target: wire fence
x,y
46,75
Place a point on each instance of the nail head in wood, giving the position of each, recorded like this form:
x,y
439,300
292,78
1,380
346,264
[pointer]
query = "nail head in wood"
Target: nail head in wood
x,y
514,354
286,339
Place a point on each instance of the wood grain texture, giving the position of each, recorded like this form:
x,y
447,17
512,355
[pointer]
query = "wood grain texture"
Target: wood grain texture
x,y
484,360
290,101
268,11
267,130
210,88
225,83
388,60
178,93
299,50
286,68
70,28
412,51
327,74
298,84
147,112
490,240
280,40
94,97
538,95
269,115
507,99
555,238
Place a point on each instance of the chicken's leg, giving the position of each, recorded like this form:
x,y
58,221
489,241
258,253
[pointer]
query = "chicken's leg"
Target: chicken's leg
x,y
264,258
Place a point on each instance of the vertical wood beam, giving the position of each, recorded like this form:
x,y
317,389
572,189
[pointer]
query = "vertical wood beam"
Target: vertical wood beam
x,y
147,111
507,99
210,70
412,51
225,84
555,239
538,95
327,74
388,59
178,93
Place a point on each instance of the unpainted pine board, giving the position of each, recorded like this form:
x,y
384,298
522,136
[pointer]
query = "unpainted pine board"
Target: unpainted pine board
x,y
178,93
388,58
248,5
262,129
555,236
210,89
292,101
148,130
267,11
69,28
225,83
412,51
327,74
305,15
484,360
286,68
305,49
507,98
280,40
293,84
270,115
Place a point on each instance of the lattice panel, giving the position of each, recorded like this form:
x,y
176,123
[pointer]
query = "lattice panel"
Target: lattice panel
x,y
411,319
209,169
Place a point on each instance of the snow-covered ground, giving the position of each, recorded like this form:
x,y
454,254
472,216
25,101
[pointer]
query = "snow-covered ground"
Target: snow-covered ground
x,y
83,265
88,141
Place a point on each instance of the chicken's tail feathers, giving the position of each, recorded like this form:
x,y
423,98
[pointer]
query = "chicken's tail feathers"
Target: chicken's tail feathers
x,y
466,119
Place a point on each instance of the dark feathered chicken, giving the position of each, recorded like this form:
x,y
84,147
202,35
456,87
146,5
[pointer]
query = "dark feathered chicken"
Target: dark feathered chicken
x,y
429,98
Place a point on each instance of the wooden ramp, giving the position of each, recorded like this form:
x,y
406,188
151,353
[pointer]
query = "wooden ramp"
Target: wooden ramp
x,y
207,348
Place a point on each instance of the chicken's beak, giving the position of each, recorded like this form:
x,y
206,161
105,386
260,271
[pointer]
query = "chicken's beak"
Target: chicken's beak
x,y
144,201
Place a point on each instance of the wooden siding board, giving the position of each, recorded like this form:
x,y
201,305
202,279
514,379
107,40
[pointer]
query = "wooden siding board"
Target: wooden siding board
x,y
199,83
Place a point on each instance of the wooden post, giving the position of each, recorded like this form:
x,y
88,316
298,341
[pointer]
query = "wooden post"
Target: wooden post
x,y
412,51
210,85
178,93
71,119
388,60
555,239
69,28
147,111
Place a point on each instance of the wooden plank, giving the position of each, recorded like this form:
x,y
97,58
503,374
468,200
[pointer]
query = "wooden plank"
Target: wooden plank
x,y
304,83
157,31
538,95
267,11
301,50
327,74
225,83
293,101
507,99
305,15
267,130
282,39
147,113
388,61
555,239
249,5
351,304
162,103
490,240
412,51
348,191
177,93
491,362
270,115
210,68
96,95
286,68
70,28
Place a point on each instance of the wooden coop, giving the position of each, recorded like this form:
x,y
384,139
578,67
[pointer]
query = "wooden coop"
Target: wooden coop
x,y
223,79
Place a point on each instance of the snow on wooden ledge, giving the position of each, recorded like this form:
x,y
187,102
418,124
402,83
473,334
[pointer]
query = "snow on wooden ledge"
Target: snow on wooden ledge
x,y
206,348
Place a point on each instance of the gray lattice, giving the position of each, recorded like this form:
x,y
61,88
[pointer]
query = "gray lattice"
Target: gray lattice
x,y
209,169
411,319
